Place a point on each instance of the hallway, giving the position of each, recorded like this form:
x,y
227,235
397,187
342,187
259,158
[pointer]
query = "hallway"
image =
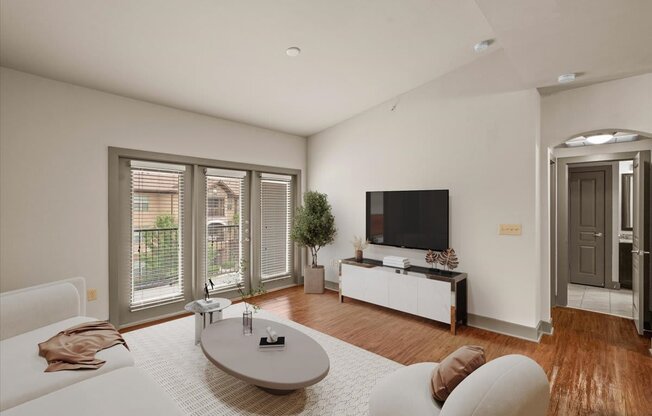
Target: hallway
x,y
597,299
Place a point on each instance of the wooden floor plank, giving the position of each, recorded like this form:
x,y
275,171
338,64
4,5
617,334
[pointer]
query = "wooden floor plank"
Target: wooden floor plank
x,y
597,364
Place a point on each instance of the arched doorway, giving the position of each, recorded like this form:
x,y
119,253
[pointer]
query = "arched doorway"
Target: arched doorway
x,y
586,253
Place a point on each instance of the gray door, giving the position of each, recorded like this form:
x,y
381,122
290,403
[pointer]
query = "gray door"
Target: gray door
x,y
587,190
639,254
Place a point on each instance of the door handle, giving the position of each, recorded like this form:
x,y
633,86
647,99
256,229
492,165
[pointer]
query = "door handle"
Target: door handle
x,y
597,234
640,252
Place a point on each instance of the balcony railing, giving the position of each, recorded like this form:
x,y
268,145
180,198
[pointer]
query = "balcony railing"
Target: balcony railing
x,y
223,253
155,257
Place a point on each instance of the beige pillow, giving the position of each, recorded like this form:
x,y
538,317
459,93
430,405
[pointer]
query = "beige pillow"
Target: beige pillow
x,y
454,368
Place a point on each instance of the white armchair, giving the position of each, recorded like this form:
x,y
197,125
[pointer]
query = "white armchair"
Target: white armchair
x,y
513,385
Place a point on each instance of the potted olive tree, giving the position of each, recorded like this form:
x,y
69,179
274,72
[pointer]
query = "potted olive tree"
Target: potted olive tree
x,y
314,227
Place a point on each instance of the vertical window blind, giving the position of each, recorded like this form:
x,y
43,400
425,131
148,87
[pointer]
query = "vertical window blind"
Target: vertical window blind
x,y
223,251
157,234
276,220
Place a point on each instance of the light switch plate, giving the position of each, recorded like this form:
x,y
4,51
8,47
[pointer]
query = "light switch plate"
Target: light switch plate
x,y
510,229
91,294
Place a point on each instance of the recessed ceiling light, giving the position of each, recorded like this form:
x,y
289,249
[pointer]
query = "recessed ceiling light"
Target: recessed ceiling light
x,y
564,78
483,46
599,138
293,51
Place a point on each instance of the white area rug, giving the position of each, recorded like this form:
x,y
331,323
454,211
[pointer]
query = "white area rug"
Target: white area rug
x,y
168,354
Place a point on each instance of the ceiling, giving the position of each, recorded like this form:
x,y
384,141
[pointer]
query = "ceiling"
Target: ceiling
x,y
227,58
598,39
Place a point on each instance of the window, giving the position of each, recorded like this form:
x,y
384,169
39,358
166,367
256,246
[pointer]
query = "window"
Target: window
x,y
276,220
215,204
223,253
156,227
176,222
140,203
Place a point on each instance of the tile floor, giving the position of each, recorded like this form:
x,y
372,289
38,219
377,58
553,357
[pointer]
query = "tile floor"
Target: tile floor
x,y
597,299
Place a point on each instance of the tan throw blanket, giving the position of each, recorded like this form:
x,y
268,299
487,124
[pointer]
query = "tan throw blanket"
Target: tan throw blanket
x,y
75,348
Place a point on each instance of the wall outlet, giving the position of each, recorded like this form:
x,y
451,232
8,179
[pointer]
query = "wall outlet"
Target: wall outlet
x,y
91,294
510,229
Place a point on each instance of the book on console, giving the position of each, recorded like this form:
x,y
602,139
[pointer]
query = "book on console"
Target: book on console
x,y
395,263
264,344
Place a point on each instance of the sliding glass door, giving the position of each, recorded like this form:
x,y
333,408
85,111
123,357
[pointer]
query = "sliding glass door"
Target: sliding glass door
x,y
224,236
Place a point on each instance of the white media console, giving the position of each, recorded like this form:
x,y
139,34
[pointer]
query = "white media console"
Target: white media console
x,y
433,294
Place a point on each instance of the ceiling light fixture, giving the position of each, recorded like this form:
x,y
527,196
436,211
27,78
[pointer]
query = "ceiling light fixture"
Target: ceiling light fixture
x,y
565,78
625,137
599,138
293,51
483,46
576,141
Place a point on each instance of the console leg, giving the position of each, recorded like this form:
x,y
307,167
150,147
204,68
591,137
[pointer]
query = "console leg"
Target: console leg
x,y
453,321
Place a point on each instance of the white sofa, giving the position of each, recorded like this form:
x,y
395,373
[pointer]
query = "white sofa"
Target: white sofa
x,y
512,385
32,315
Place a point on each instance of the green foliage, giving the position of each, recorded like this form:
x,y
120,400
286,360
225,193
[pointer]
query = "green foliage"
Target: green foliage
x,y
165,221
220,260
314,224
246,294
158,251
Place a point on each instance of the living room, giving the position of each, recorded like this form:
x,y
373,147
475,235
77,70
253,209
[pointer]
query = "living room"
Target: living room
x,y
174,156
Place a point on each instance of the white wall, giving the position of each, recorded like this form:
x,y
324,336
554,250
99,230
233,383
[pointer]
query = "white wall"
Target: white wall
x,y
442,136
624,103
54,171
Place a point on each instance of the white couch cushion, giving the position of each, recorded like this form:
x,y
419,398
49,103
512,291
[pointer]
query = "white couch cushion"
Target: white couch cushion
x,y
33,307
125,391
406,391
23,378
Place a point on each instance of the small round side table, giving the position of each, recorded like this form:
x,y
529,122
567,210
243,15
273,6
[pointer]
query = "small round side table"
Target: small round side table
x,y
201,308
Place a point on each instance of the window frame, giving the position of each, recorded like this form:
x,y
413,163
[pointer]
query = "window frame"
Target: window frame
x,y
194,185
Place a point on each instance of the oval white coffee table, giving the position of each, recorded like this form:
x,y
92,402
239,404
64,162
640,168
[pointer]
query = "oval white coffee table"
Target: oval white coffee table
x,y
303,362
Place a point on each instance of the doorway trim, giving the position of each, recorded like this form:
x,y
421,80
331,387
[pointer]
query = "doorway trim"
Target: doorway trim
x,y
559,282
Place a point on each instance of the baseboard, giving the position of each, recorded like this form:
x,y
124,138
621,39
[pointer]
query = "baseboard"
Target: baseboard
x,y
494,325
334,286
151,321
612,285
508,328
545,328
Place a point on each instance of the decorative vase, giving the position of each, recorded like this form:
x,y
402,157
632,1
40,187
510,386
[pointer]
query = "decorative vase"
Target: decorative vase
x,y
247,322
358,256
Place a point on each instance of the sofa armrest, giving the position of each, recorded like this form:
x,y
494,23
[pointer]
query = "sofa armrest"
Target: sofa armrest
x,y
33,307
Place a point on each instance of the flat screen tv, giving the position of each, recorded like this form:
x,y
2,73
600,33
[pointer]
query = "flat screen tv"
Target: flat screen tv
x,y
410,219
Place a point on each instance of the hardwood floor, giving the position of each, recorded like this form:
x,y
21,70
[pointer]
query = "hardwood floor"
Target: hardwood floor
x,y
596,364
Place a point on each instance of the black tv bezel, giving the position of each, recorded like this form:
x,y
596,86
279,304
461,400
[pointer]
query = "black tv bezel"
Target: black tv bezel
x,y
448,223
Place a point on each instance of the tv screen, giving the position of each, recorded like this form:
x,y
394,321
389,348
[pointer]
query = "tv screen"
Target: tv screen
x,y
410,219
